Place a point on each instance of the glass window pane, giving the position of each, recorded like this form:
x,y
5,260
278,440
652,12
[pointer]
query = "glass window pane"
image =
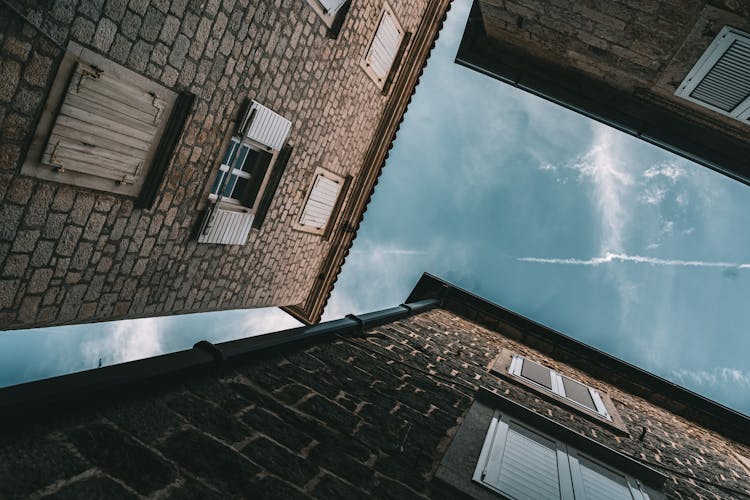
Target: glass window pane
x,y
578,393
217,183
239,160
600,482
230,186
230,152
537,373
239,188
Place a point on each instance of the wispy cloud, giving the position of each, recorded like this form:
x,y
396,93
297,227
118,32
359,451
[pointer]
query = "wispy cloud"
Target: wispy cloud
x,y
123,341
602,165
389,251
717,376
610,257
668,170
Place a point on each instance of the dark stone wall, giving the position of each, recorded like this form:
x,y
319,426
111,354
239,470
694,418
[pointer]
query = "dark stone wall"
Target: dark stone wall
x,y
76,255
354,417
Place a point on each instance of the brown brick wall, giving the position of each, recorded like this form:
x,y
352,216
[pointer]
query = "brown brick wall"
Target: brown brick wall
x,y
643,47
355,417
69,254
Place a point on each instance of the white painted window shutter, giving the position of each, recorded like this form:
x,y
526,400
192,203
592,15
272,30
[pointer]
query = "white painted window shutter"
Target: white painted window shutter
x,y
266,127
105,127
385,45
332,6
226,227
720,80
522,464
320,202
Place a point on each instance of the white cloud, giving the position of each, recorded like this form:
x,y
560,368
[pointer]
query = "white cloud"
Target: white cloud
x,y
667,170
653,195
610,257
125,340
602,165
715,377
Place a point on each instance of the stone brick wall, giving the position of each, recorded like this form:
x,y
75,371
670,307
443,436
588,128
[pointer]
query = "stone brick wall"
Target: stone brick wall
x,y
354,417
644,47
73,255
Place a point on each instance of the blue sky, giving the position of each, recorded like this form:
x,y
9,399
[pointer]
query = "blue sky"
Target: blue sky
x,y
589,231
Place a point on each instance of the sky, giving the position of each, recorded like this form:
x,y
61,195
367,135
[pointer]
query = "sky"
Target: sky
x,y
594,233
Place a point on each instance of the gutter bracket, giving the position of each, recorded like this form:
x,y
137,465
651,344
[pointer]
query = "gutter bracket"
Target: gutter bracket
x,y
360,324
215,352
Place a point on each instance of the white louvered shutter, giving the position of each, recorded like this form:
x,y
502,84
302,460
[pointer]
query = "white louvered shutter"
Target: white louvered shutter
x,y
720,80
385,45
320,203
523,464
332,6
226,227
267,127
592,481
106,127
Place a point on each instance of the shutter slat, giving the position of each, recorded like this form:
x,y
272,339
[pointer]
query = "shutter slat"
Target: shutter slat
x,y
599,482
727,83
143,133
93,103
94,131
120,92
227,227
268,128
320,202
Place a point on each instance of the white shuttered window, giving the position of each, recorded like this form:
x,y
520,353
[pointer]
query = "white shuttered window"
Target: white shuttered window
x,y
384,47
720,80
321,201
524,464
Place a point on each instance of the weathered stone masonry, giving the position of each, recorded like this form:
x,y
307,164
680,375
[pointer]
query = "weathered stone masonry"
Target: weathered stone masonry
x,y
73,255
351,417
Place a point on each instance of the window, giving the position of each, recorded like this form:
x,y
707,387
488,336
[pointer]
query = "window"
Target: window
x,y
322,201
102,126
384,48
519,461
243,175
565,387
720,80
332,12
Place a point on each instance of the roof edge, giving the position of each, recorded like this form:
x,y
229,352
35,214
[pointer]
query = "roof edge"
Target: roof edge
x,y
630,378
415,59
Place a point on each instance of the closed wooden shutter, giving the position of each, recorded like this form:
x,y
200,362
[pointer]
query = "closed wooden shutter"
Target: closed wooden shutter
x,y
266,127
320,202
226,227
523,464
592,481
105,127
720,80
385,45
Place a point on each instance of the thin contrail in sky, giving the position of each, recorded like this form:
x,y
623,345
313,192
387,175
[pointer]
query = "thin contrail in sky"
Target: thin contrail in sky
x,y
638,259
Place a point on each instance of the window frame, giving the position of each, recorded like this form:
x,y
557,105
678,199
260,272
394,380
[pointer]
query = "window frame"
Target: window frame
x,y
326,230
33,165
569,467
508,366
459,463
384,82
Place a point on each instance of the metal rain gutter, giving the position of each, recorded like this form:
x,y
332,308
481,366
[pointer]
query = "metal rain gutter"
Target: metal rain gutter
x,y
111,381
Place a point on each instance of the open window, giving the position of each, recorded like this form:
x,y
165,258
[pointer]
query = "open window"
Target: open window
x,y
105,127
720,80
384,48
322,202
332,13
236,193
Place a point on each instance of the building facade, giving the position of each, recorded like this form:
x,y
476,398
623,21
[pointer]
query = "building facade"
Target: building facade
x,y
675,74
163,157
448,396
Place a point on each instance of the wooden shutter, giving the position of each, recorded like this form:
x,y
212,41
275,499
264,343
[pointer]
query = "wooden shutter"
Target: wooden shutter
x,y
266,127
226,227
320,202
522,463
105,128
593,481
385,45
720,80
